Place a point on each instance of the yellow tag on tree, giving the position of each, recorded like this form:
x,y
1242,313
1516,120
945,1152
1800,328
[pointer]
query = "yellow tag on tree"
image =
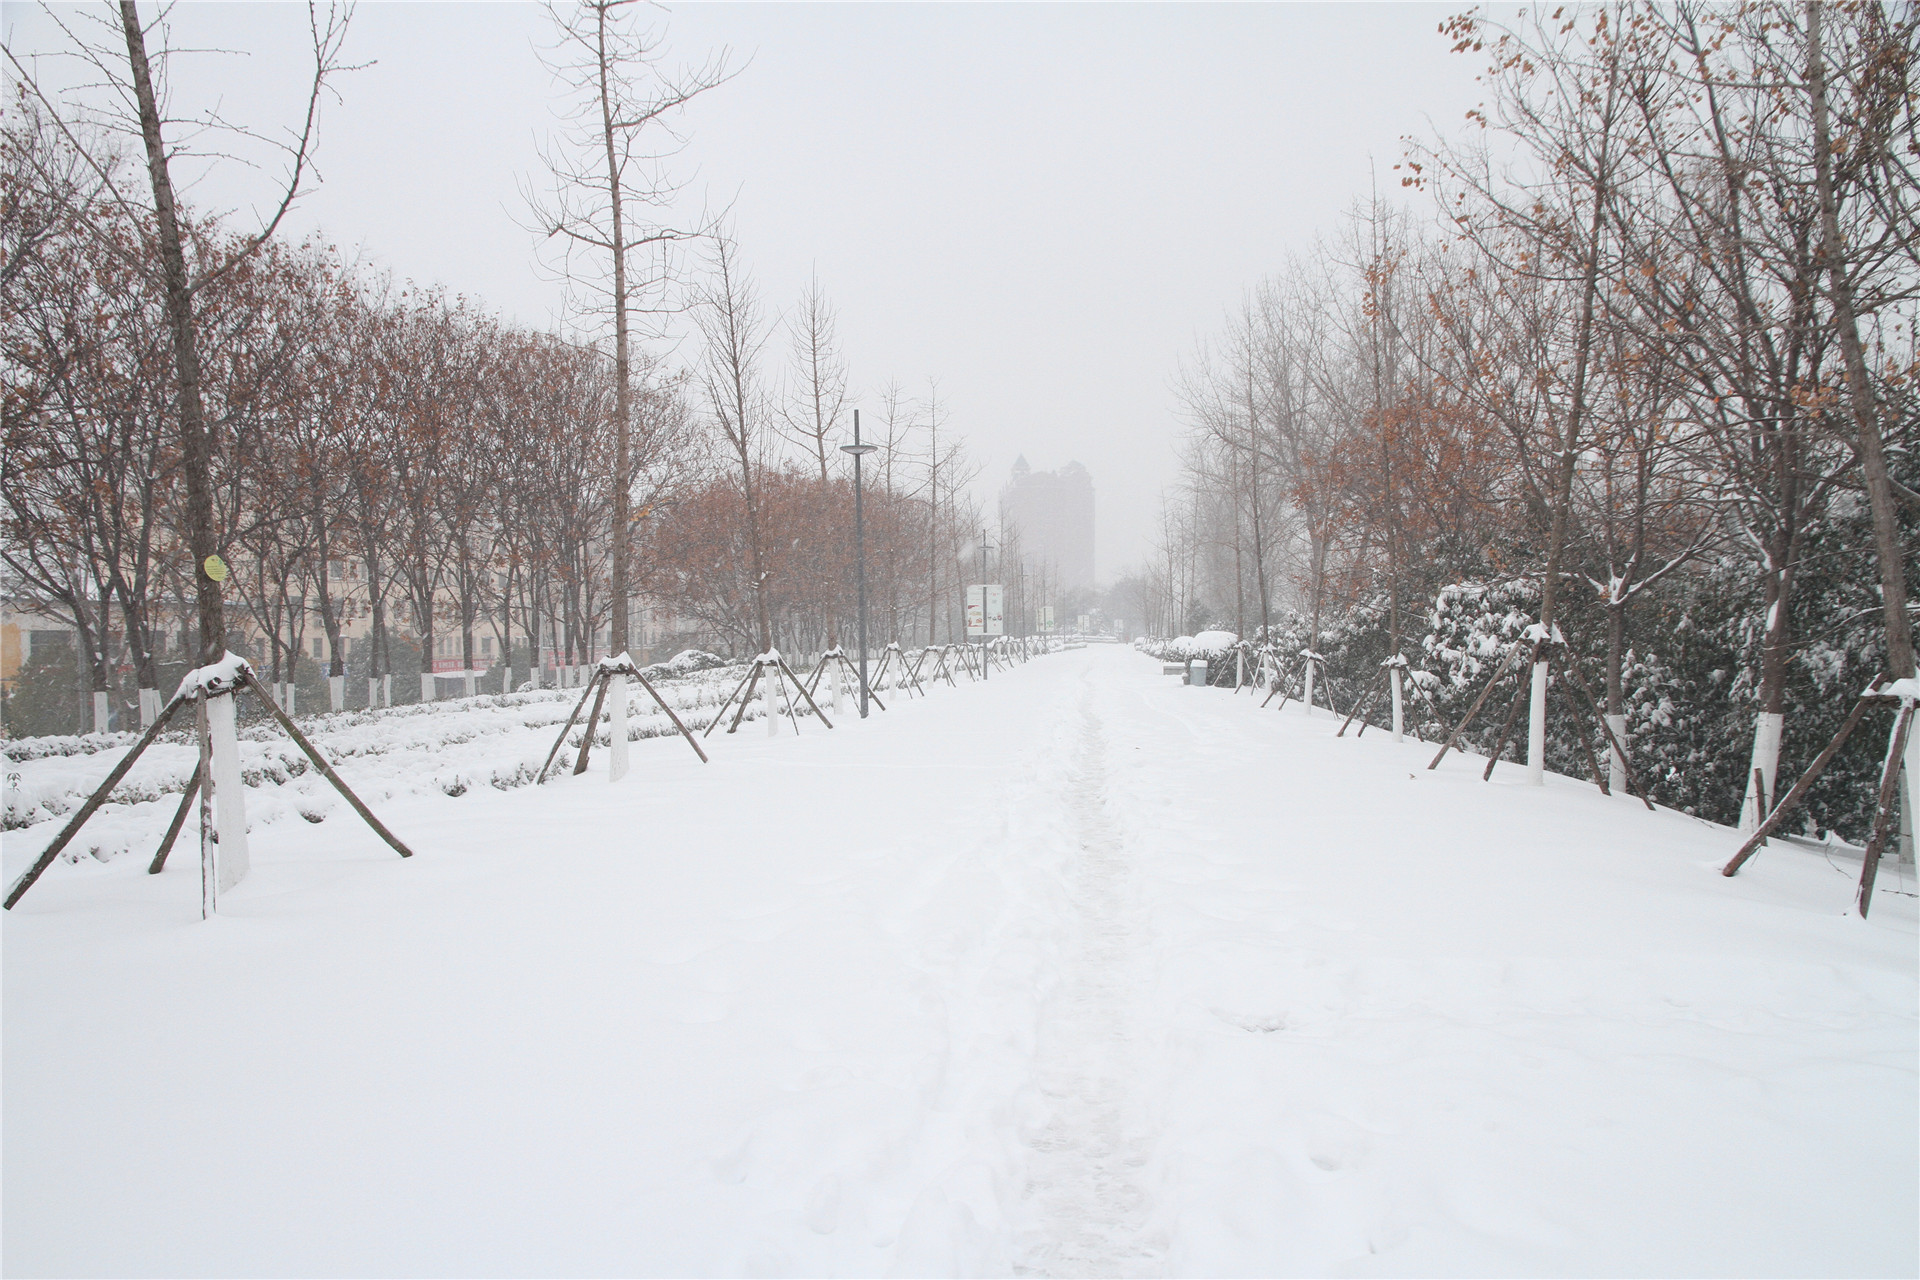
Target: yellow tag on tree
x,y
216,568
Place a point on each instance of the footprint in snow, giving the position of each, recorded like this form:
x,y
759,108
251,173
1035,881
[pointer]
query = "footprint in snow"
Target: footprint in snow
x,y
1259,1023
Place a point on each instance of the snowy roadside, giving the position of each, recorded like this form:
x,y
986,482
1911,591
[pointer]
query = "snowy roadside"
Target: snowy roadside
x,y
1079,971
1415,1023
453,746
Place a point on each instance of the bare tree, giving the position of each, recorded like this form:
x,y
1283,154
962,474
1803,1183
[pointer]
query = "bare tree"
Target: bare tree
x,y
734,325
1884,183
816,397
611,189
135,110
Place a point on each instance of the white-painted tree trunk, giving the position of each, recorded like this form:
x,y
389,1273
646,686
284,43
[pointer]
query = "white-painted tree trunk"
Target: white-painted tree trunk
x,y
1239,669
833,687
1767,727
386,690
468,677
1616,762
617,744
102,714
1399,707
770,701
151,704
1907,773
1910,785
229,794
1537,727
1308,689
337,692
373,692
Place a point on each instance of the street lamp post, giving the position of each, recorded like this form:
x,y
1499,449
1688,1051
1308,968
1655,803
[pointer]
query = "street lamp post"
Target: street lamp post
x,y
860,451
986,640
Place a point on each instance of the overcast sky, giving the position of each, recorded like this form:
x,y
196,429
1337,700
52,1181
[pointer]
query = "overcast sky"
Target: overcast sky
x,y
1043,207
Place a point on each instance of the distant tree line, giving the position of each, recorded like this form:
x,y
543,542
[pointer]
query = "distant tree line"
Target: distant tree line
x,y
1650,376
401,454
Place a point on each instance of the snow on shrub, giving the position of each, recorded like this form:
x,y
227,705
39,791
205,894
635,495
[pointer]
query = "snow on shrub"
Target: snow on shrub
x,y
449,747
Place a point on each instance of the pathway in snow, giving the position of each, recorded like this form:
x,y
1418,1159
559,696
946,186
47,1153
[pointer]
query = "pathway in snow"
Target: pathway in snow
x,y
1088,1206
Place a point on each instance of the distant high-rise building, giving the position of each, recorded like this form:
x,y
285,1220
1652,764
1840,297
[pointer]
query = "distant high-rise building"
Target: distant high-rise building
x,y
1053,512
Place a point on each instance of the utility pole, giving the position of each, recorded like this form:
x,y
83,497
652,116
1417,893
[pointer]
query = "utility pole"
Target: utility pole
x,y
860,451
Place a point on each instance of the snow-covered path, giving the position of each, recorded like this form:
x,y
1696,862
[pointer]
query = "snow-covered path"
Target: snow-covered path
x,y
1082,1175
1076,972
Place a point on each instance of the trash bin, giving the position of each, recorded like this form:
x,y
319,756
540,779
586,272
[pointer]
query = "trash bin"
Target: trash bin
x,y
1197,672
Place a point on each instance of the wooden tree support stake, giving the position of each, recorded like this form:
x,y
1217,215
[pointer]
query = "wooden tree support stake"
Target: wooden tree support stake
x,y
1506,730
1613,743
1883,810
803,693
886,662
853,672
655,695
94,801
1373,695
599,684
326,770
753,683
201,787
1279,686
726,702
1586,747
1474,710
1782,804
179,819
565,730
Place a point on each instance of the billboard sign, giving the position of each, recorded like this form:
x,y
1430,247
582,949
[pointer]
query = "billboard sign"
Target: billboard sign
x,y
986,610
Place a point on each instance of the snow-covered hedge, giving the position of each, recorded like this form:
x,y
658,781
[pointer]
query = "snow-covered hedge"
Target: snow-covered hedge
x,y
451,746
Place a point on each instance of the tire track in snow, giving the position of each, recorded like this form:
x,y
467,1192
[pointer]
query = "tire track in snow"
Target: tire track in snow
x,y
1082,1191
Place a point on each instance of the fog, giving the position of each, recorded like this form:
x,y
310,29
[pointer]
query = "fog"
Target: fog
x,y
1040,207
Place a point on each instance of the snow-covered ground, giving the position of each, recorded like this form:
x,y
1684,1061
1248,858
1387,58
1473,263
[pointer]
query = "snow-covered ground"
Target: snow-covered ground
x,y
1080,971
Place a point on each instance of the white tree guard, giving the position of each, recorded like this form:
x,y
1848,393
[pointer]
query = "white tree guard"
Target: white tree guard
x,y
1537,727
1910,793
229,794
1767,728
287,691
1906,803
150,706
337,693
617,745
1616,762
426,686
102,713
